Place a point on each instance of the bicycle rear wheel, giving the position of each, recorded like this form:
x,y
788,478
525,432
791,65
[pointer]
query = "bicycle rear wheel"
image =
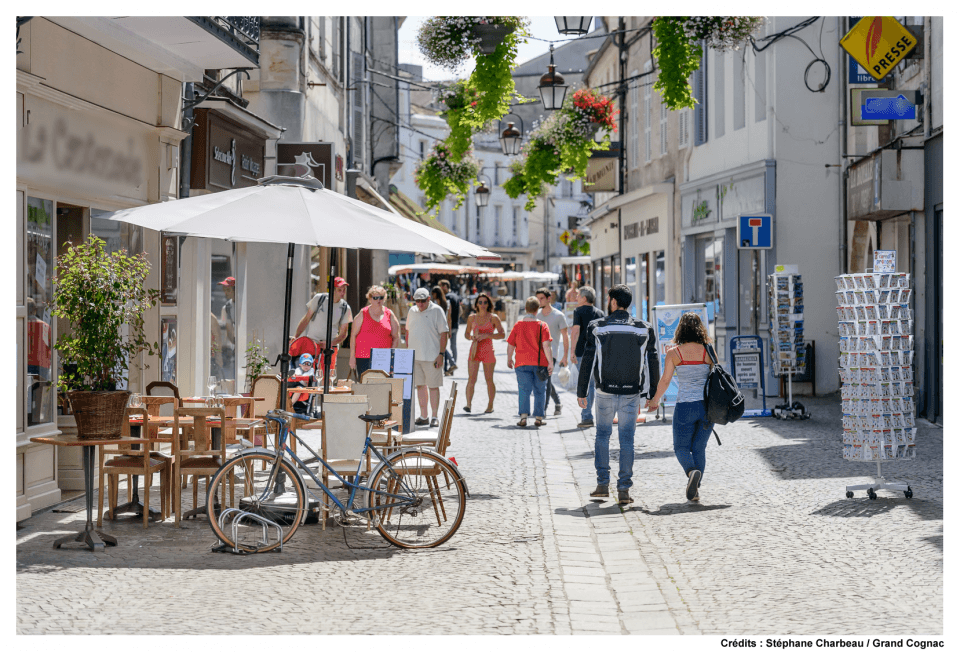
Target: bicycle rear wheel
x,y
265,502
417,498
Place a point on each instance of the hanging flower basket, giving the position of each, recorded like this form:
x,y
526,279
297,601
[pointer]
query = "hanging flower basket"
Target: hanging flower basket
x,y
490,36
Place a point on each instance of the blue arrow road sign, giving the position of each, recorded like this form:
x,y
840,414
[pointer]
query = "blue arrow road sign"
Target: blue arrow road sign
x,y
755,232
888,108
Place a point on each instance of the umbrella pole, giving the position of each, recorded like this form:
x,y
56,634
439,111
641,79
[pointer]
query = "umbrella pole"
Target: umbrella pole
x,y
328,350
285,346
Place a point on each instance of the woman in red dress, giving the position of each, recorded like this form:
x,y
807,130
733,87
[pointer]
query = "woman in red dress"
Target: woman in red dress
x,y
376,327
483,327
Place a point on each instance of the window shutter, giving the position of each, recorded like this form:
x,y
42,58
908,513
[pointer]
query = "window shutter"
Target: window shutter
x,y
720,95
683,127
700,93
647,117
664,112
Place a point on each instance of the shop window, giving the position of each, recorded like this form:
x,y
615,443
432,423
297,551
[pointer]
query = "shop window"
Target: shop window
x,y
630,279
661,279
644,294
40,330
223,336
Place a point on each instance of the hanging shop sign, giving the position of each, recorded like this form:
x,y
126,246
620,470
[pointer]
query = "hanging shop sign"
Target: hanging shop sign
x,y
226,154
878,43
885,184
316,159
601,173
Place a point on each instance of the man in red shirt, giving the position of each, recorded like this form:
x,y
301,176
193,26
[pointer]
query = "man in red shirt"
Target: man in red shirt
x,y
528,349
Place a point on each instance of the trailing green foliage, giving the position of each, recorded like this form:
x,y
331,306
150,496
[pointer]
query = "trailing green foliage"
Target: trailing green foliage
x,y
98,294
561,144
439,175
678,53
257,361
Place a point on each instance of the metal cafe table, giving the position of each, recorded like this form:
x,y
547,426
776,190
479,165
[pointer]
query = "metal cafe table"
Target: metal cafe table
x,y
94,539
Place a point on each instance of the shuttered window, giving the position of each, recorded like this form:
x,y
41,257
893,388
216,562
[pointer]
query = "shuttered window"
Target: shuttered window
x,y
739,90
647,117
700,93
719,95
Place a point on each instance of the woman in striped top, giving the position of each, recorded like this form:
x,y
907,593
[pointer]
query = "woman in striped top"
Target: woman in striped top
x,y
691,430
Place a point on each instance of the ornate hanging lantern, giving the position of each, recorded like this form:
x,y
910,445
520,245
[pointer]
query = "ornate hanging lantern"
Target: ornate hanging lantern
x,y
573,25
552,89
482,195
510,139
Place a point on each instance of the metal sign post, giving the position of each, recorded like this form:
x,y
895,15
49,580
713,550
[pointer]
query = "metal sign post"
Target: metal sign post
x,y
746,361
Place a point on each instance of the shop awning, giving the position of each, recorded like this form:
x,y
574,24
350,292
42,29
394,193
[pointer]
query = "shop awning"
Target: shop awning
x,y
410,209
440,268
574,260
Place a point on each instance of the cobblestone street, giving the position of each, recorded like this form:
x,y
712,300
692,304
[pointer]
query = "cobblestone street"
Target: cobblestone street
x,y
773,547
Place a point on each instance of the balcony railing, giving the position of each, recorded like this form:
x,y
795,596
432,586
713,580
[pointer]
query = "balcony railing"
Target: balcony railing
x,y
240,32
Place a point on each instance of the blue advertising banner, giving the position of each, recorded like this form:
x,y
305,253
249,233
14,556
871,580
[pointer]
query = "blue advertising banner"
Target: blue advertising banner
x,y
666,319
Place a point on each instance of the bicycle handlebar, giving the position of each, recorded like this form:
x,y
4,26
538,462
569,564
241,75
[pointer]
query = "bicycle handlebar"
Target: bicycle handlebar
x,y
286,416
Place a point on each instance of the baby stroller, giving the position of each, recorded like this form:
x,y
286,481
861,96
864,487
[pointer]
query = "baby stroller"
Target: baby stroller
x,y
304,348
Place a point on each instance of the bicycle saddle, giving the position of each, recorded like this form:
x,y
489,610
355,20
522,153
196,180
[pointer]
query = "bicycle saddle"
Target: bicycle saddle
x,y
371,418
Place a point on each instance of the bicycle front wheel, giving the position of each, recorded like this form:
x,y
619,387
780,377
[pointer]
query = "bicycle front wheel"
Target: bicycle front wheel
x,y
417,498
263,502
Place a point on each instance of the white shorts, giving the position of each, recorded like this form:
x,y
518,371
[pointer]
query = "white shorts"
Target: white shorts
x,y
426,373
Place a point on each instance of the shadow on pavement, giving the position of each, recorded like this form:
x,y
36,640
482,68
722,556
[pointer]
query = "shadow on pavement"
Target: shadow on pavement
x,y
857,507
672,509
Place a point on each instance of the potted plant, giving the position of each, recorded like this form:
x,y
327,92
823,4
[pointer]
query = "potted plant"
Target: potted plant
x,y
103,298
257,361
448,41
440,174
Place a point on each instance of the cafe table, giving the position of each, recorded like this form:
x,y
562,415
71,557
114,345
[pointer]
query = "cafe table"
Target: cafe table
x,y
93,538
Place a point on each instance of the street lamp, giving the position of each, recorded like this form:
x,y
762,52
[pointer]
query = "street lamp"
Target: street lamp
x,y
552,89
482,194
510,138
573,25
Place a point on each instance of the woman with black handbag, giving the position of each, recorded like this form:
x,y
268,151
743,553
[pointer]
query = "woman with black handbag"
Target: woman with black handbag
x,y
691,429
530,341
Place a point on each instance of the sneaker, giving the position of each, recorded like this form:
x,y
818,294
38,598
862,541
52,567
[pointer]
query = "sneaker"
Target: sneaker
x,y
421,421
556,410
586,423
434,422
602,491
696,497
693,483
623,497
452,368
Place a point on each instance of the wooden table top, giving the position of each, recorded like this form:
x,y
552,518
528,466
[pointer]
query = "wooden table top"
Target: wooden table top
x,y
203,399
73,440
168,421
319,390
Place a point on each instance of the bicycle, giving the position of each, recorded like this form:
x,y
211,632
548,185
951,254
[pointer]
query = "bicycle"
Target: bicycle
x,y
414,497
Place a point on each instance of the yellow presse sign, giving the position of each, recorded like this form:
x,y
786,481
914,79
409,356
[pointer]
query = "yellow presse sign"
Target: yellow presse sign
x,y
878,43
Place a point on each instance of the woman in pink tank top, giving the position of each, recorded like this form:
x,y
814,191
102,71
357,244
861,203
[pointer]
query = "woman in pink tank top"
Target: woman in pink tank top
x,y
376,327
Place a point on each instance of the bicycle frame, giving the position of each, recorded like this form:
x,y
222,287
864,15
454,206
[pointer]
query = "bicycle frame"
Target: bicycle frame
x,y
283,449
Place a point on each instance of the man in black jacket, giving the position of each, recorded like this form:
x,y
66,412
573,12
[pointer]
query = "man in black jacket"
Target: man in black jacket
x,y
621,353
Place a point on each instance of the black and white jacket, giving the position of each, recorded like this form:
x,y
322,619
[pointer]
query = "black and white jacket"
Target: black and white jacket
x,y
621,353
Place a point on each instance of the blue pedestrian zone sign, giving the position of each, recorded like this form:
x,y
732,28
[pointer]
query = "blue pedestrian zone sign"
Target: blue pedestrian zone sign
x,y
755,232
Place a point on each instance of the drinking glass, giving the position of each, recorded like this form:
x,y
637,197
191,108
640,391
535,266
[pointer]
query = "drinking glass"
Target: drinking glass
x,y
211,384
135,400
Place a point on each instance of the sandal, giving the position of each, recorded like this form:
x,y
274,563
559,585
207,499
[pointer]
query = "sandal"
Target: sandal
x,y
466,408
538,422
489,410
522,422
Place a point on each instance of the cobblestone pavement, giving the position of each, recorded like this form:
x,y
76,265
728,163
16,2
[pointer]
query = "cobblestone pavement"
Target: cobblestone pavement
x,y
773,547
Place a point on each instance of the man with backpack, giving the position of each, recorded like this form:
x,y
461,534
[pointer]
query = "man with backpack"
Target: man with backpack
x,y
314,321
621,355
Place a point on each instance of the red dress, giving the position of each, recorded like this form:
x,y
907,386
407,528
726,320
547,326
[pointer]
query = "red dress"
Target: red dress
x,y
484,348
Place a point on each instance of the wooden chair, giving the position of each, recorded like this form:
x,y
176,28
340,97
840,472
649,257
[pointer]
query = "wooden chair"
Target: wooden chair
x,y
380,401
373,373
432,439
194,453
396,396
267,386
124,460
342,437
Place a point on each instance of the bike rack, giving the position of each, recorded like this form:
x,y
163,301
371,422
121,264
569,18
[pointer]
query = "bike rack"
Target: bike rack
x,y
238,516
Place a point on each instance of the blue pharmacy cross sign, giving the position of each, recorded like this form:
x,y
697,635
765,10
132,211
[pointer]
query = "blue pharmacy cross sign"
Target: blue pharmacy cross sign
x,y
755,232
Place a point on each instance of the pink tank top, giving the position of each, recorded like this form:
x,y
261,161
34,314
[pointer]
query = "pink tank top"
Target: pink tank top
x,y
373,334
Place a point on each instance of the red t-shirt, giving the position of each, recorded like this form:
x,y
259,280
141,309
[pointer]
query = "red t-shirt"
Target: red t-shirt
x,y
527,336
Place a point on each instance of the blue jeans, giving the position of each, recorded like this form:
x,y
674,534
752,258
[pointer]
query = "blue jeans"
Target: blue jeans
x,y
527,382
450,357
587,412
691,432
625,407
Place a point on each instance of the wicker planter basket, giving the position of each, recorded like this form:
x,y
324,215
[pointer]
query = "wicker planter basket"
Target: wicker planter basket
x,y
491,36
99,415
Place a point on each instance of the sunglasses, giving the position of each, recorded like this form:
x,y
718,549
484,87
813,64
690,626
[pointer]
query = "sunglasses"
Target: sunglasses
x,y
483,303
421,300
376,298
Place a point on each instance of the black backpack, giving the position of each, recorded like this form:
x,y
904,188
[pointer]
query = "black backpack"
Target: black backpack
x,y
722,400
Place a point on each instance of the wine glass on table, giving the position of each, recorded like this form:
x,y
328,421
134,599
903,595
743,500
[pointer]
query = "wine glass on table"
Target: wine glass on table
x,y
211,384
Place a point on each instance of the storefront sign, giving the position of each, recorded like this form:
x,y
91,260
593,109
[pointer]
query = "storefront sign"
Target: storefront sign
x,y
878,43
298,159
226,154
81,153
169,248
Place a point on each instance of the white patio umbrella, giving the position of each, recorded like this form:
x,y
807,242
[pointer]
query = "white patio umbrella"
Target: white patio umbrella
x,y
296,210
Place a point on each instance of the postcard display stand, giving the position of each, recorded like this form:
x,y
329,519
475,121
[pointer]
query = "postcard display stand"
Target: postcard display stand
x,y
876,369
787,347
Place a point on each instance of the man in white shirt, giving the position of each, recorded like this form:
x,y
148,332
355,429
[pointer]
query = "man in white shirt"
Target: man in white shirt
x,y
314,321
427,333
557,322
